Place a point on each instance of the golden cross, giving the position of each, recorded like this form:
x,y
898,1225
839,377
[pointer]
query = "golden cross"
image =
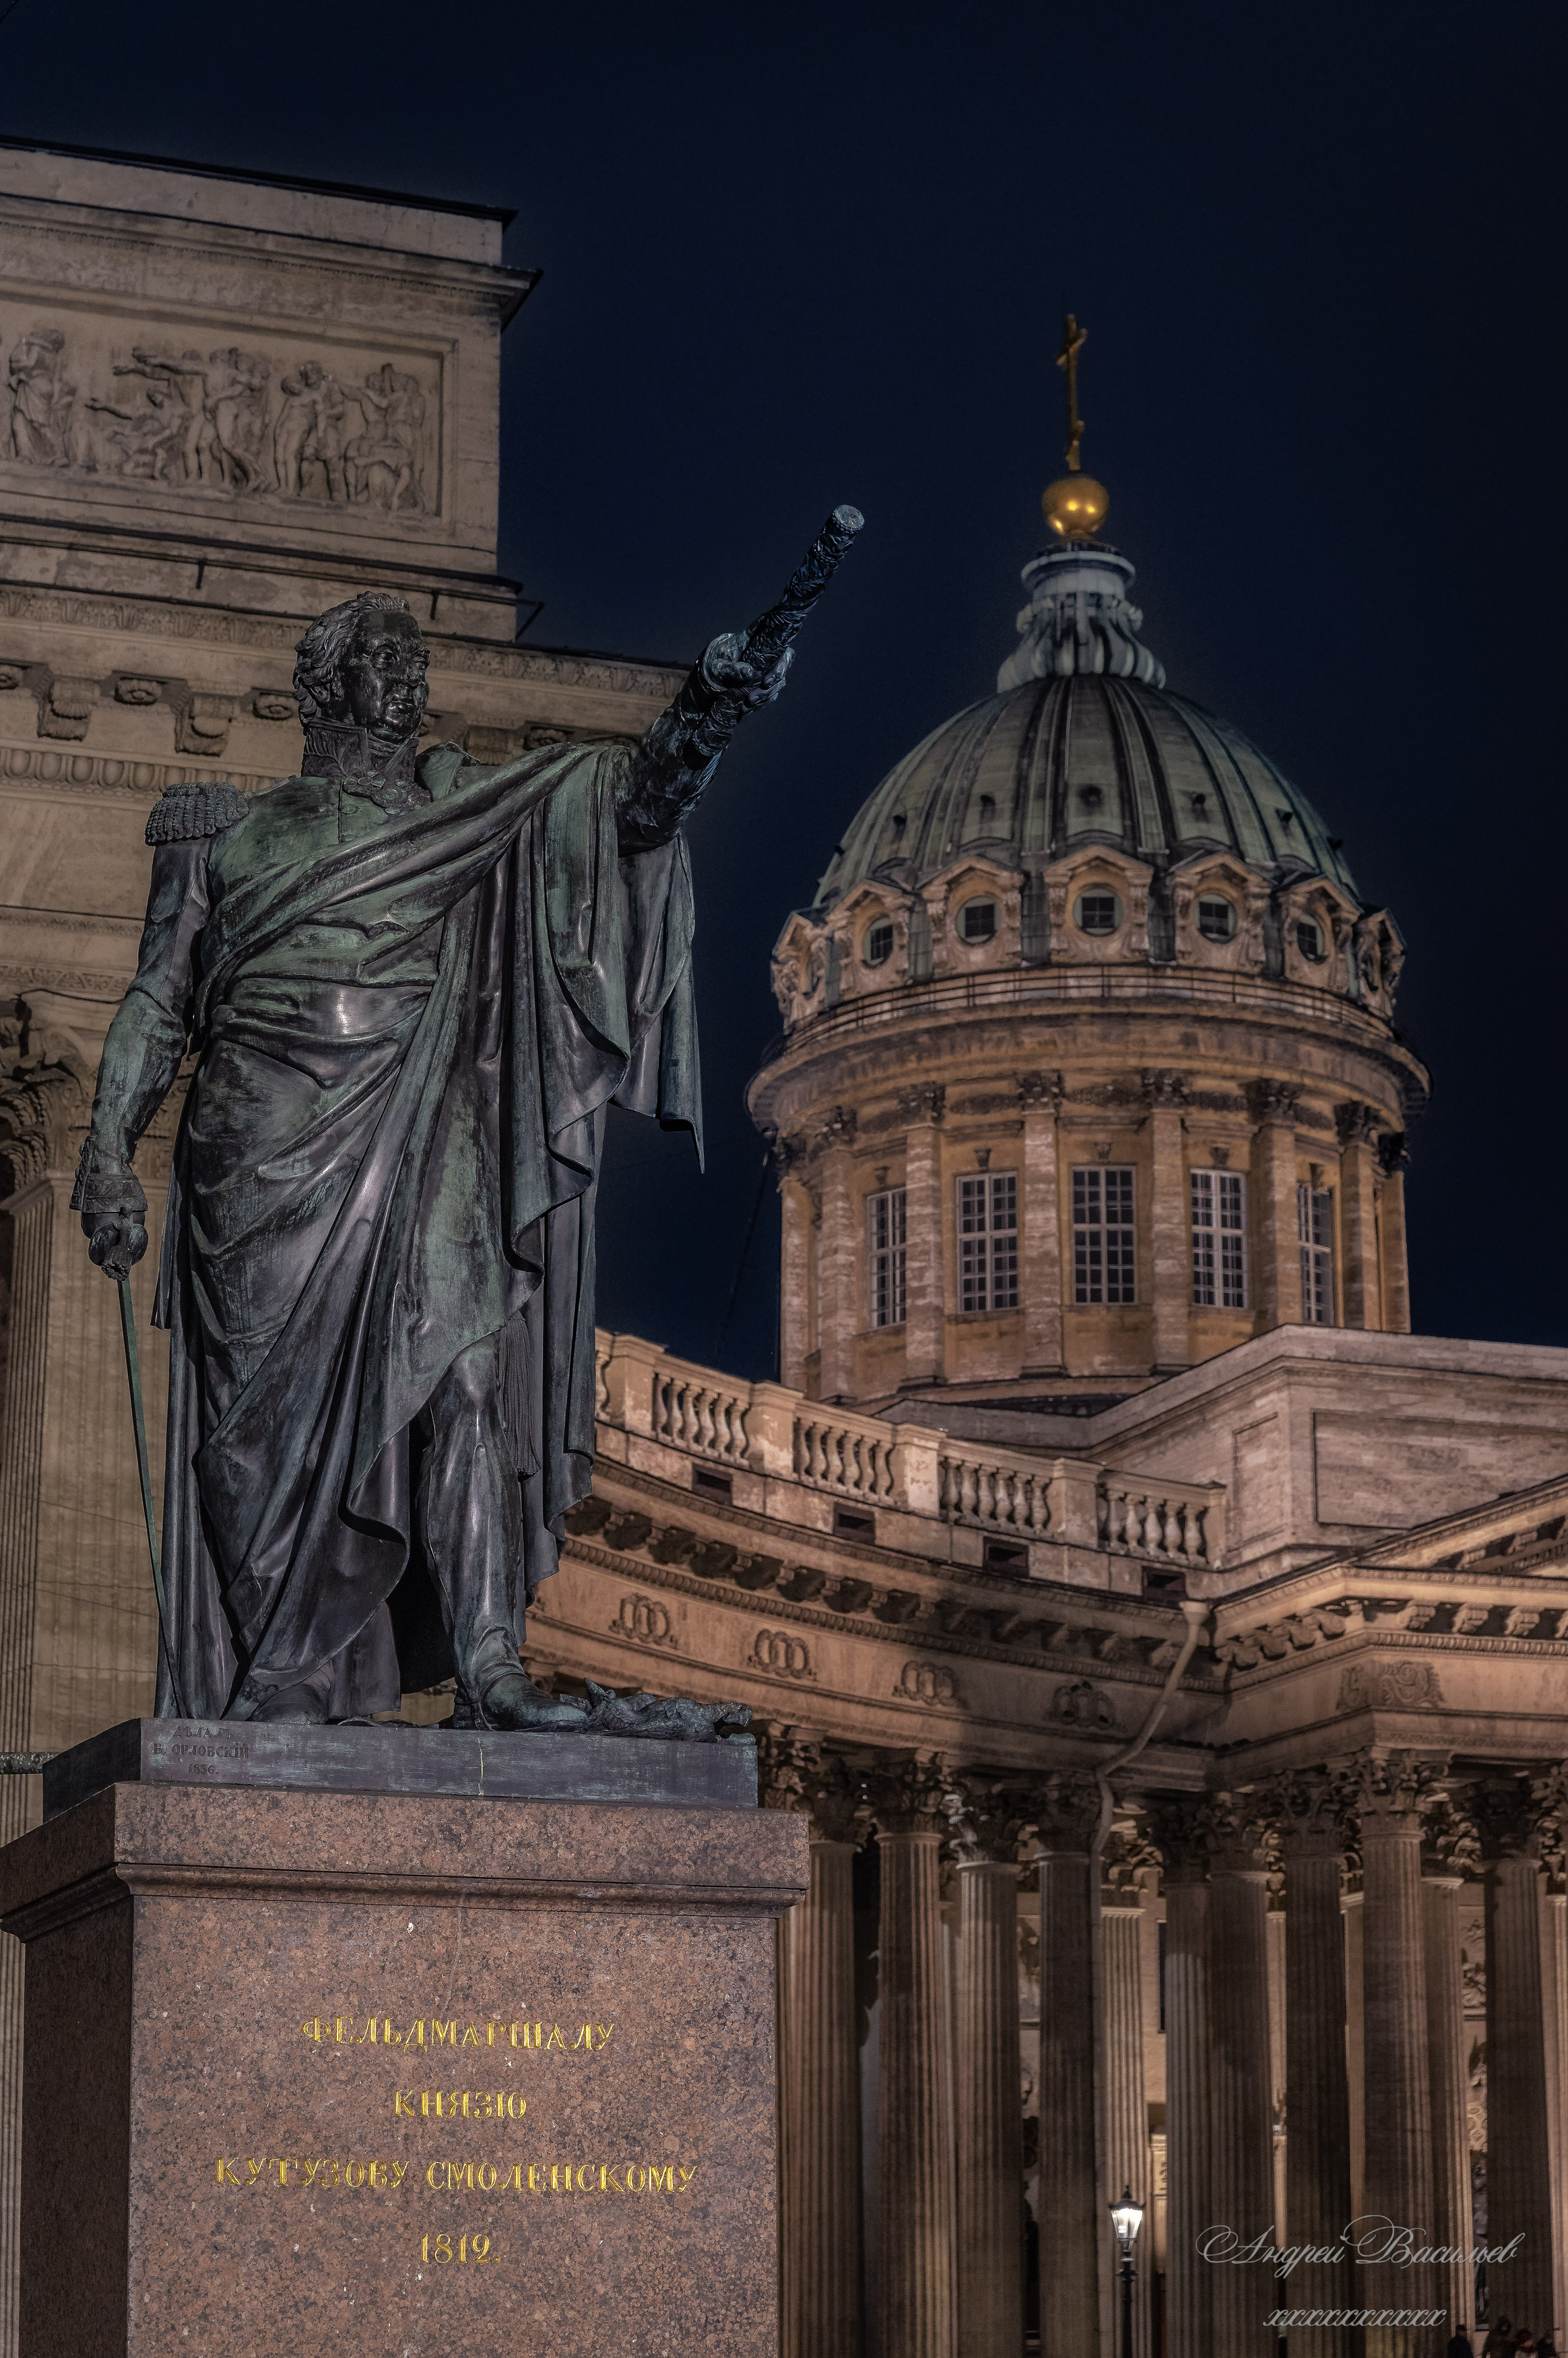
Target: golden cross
x,y
1074,338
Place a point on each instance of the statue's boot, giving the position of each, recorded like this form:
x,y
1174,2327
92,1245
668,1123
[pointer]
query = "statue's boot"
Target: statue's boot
x,y
494,1691
307,1699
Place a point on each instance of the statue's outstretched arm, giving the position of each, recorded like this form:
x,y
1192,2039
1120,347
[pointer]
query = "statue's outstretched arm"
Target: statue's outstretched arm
x,y
680,752
678,755
142,1058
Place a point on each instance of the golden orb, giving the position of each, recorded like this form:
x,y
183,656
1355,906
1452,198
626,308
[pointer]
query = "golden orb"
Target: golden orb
x,y
1076,506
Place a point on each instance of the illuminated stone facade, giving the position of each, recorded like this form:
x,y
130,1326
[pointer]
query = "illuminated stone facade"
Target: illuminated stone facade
x,y
1175,1685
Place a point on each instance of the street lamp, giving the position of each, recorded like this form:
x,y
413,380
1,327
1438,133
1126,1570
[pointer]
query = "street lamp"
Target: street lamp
x,y
1127,2217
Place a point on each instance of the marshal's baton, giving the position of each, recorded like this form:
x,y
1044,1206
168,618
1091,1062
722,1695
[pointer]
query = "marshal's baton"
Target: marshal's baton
x,y
133,1370
710,709
767,639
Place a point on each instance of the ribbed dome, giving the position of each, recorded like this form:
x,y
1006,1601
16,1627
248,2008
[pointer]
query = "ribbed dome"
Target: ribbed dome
x,y
1082,745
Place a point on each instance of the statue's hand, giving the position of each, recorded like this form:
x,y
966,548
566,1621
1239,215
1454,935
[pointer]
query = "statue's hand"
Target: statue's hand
x,y
113,1204
729,672
115,1245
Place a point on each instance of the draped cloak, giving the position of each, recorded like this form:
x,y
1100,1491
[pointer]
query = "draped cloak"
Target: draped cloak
x,y
410,1027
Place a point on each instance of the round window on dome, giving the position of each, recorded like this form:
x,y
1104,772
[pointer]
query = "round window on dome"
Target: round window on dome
x,y
1309,940
977,921
876,948
1097,911
1216,918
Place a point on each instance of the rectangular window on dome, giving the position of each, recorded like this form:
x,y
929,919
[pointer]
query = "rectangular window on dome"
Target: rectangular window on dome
x,y
885,1232
1219,1241
1103,1225
1314,1227
988,1241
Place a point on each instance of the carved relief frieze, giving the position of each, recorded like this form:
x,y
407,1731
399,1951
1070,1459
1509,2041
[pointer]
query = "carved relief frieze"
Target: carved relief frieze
x,y
1079,1703
926,1683
92,398
1388,1686
781,1654
645,1618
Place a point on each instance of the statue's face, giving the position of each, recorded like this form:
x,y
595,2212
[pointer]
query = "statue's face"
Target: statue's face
x,y
384,676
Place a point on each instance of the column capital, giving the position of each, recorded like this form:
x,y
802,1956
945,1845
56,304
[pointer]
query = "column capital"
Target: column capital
x,y
904,1796
1275,1100
1164,1088
1307,1807
1064,1808
1450,1840
1514,1817
1040,1091
1390,1789
1357,1124
1182,1828
1244,1839
926,1102
43,1100
837,1128
789,1150
1393,1152
986,1815
1127,1854
796,1771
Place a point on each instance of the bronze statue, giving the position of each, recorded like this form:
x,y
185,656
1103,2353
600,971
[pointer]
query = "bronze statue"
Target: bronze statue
x,y
414,984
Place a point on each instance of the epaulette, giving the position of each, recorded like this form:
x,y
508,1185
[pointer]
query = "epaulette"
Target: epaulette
x,y
185,813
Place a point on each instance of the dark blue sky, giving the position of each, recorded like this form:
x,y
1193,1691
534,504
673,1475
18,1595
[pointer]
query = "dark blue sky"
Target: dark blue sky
x,y
797,257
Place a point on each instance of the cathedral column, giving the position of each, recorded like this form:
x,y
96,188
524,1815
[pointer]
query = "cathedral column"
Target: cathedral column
x,y
1240,2096
1392,1789
840,1261
1447,2063
1519,2135
1170,1222
1126,2098
987,1819
1040,1094
1396,1279
1278,1262
915,2117
1358,1214
78,1623
1317,2084
1554,1984
1073,2217
1356,2044
925,1227
794,1267
1181,1829
819,2073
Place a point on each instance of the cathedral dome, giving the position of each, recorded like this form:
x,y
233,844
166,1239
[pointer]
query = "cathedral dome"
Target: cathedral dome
x,y
1087,982
1082,744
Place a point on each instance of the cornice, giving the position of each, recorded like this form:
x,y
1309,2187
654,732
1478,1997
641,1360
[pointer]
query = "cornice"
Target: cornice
x,y
241,627
768,1605
1123,988
1002,1585
288,252
1244,1678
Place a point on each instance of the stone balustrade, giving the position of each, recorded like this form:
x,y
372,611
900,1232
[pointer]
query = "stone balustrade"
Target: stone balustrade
x,y
784,1451
1170,1523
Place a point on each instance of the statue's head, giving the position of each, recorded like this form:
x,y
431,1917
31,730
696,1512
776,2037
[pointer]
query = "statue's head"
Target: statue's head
x,y
363,664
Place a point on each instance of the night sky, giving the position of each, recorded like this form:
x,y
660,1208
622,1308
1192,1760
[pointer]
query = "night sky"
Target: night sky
x,y
818,254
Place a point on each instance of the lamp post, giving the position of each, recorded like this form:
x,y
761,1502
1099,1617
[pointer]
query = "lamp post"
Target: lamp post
x,y
1127,2217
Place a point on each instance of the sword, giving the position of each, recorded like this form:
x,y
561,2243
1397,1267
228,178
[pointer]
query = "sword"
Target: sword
x,y
133,1370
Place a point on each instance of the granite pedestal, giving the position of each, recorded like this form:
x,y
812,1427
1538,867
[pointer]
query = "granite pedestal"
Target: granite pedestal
x,y
400,2074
